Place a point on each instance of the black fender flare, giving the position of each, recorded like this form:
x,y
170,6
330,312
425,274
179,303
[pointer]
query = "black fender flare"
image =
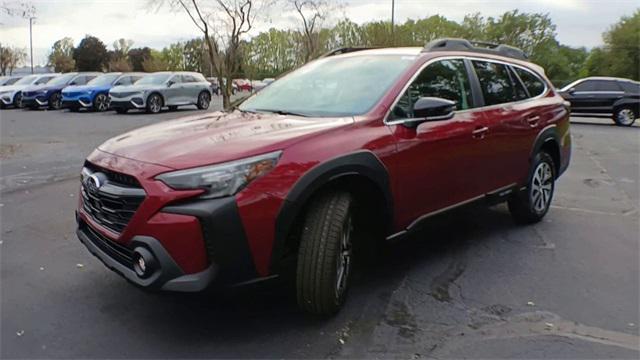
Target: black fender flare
x,y
627,102
550,133
362,163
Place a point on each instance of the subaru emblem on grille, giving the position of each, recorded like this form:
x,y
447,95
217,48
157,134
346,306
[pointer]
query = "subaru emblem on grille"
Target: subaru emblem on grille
x,y
94,181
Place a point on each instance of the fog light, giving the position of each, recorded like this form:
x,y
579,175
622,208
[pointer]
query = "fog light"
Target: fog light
x,y
144,263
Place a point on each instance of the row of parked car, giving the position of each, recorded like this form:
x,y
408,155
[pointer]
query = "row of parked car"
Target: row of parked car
x,y
115,90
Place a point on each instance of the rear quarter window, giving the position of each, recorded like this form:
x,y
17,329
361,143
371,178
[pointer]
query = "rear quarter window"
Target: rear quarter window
x,y
630,87
535,86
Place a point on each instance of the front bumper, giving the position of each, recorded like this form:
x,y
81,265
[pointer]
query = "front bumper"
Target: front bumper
x,y
166,274
7,99
194,242
35,102
131,102
80,102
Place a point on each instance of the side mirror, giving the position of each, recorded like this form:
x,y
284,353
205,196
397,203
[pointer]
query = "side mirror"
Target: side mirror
x,y
431,109
169,83
571,91
73,83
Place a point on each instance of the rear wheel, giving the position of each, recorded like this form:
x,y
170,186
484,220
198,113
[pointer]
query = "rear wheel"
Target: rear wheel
x,y
154,104
101,103
325,254
624,116
204,99
121,110
531,205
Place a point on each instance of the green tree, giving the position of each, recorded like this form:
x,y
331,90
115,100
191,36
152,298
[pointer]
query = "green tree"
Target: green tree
x,y
137,56
622,45
91,54
61,56
173,56
155,62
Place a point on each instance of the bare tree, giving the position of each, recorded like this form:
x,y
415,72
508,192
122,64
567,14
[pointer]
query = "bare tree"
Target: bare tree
x,y
10,58
121,48
313,14
23,9
223,24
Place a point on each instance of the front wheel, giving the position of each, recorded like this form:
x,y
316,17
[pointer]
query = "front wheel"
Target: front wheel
x,y
204,99
532,204
101,103
624,116
17,100
325,254
154,104
55,101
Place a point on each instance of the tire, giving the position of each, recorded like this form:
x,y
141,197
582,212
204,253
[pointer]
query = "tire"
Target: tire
x,y
101,103
624,116
204,100
154,104
532,204
17,100
121,110
55,101
325,254
173,107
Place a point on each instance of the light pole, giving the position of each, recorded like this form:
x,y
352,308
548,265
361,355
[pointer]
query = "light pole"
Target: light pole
x,y
31,40
393,9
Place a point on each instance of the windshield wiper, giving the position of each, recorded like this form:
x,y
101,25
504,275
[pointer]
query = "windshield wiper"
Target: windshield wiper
x,y
281,112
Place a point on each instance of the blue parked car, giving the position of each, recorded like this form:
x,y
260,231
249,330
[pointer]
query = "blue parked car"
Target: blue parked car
x,y
49,94
95,95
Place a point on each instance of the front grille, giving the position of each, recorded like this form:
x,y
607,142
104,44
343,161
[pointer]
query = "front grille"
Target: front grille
x,y
119,252
121,95
110,198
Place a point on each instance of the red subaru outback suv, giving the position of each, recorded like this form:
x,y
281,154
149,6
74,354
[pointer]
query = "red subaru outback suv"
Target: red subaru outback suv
x,y
356,146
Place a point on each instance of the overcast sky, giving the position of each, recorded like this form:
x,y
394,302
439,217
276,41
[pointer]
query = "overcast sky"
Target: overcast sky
x,y
579,22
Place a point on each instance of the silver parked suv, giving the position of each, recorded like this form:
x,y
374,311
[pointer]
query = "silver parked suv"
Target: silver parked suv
x,y
160,89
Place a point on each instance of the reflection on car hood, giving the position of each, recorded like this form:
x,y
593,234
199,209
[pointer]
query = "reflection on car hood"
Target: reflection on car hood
x,y
84,88
136,88
217,137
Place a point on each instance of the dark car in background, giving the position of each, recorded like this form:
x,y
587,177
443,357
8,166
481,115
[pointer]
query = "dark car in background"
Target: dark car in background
x,y
95,94
50,94
619,98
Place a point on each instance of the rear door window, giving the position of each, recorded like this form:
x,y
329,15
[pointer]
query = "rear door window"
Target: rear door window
x,y
445,79
495,82
607,85
533,83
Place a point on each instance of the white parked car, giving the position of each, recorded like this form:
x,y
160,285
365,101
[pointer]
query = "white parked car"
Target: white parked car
x,y
11,95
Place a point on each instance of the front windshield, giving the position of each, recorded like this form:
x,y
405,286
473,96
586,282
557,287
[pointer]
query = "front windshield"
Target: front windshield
x,y
103,80
10,81
62,79
333,86
153,79
26,80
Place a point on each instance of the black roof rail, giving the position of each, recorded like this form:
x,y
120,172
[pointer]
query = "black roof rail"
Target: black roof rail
x,y
449,44
345,50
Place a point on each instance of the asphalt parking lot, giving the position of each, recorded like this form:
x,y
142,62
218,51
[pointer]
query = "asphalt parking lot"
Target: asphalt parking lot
x,y
470,284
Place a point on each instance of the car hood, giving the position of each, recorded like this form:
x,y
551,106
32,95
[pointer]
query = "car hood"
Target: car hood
x,y
217,137
42,87
82,88
12,87
133,88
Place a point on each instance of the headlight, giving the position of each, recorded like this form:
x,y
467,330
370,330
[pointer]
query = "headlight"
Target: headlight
x,y
222,179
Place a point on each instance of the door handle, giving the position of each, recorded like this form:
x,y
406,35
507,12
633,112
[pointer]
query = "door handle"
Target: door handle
x,y
533,120
480,132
